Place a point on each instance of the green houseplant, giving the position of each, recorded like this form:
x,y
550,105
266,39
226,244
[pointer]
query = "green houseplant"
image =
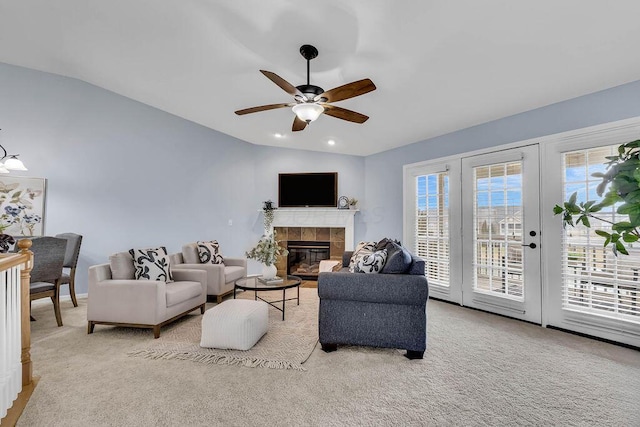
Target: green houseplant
x,y
268,248
620,186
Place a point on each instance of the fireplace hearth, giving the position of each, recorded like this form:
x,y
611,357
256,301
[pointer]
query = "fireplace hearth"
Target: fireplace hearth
x,y
305,256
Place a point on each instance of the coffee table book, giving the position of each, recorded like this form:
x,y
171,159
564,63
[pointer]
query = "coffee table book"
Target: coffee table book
x,y
275,281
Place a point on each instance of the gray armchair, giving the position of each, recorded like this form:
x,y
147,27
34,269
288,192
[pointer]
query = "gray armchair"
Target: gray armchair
x,y
379,310
220,277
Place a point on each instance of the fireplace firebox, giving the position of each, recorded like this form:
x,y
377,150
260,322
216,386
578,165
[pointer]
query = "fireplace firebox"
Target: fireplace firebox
x,y
305,256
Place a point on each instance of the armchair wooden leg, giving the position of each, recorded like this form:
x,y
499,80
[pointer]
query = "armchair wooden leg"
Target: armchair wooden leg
x,y
72,291
219,299
202,307
56,309
156,331
90,326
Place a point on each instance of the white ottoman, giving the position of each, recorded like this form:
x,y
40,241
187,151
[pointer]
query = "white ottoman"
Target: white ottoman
x,y
235,324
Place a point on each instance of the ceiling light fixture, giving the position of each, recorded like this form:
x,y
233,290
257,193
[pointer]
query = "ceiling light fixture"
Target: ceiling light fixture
x,y
331,142
12,163
308,111
278,135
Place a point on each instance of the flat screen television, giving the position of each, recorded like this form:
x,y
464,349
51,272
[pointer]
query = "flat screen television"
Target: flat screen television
x,y
319,189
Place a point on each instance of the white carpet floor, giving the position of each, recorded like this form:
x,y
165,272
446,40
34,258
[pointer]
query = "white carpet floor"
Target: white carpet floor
x,y
479,370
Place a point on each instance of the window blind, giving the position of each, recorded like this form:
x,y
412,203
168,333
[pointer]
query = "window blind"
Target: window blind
x,y
432,225
594,279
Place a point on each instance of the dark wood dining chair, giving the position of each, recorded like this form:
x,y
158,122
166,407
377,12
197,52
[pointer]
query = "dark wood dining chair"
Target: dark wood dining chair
x,y
48,258
70,262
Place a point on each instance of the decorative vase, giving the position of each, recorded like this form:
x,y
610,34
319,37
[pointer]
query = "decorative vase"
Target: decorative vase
x,y
269,271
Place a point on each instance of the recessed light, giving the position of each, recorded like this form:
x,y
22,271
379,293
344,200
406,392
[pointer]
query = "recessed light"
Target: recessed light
x,y
331,142
278,135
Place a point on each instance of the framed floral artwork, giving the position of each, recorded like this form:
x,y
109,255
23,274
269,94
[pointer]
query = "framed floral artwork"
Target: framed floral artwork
x,y
22,206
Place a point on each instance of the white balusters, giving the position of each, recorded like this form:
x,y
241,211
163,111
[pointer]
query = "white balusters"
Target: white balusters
x,y
10,338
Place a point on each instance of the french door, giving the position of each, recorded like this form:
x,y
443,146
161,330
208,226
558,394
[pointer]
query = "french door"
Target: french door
x,y
476,220
501,233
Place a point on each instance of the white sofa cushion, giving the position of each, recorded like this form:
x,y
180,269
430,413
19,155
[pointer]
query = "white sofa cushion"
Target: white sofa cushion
x,y
121,264
233,273
190,254
178,292
235,324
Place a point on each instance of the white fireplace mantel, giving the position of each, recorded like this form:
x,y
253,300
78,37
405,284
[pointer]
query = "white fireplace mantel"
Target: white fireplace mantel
x,y
318,217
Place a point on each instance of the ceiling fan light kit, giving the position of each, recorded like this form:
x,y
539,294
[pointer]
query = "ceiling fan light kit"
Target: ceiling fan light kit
x,y
311,101
308,111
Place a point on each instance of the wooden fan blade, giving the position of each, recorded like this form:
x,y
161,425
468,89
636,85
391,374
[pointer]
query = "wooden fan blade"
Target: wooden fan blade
x,y
285,85
262,108
344,114
347,91
298,124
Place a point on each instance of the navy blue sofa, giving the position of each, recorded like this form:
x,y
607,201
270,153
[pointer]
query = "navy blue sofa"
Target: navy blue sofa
x,y
379,310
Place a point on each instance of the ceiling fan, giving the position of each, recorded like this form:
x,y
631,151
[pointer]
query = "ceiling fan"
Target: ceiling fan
x,y
311,100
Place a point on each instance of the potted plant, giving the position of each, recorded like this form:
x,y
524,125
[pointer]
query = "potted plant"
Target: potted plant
x,y
622,184
353,202
267,252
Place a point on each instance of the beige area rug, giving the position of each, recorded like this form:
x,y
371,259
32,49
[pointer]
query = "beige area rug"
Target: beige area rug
x,y
287,344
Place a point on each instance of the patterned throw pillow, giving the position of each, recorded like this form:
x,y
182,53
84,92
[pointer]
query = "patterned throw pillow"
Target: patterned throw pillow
x,y
372,263
209,252
151,264
362,249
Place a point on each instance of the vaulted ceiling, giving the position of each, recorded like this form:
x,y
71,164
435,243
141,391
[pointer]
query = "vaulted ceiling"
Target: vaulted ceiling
x,y
438,65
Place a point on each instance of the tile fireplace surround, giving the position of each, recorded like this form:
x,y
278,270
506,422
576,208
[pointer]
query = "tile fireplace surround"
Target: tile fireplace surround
x,y
315,224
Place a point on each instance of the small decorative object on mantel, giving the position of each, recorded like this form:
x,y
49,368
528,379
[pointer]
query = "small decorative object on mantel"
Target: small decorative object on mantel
x,y
353,202
267,252
268,208
343,202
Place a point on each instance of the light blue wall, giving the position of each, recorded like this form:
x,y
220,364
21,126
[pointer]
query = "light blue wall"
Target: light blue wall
x,y
125,175
383,171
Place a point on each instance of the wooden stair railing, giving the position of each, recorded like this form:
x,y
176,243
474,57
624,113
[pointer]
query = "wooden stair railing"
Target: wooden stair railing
x,y
15,333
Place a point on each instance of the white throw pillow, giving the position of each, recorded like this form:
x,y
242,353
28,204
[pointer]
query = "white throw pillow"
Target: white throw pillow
x,y
372,263
362,249
209,252
151,264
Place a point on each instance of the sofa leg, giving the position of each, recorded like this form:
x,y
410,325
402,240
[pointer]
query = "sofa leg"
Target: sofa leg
x,y
202,307
90,327
219,299
412,354
156,331
328,348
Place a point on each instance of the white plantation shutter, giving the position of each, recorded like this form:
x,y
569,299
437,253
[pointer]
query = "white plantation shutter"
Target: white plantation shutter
x,y
595,280
432,225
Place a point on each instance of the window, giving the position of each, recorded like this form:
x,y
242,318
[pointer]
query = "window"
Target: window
x,y
497,235
595,280
432,225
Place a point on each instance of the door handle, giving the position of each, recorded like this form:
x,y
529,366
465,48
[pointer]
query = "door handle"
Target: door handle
x,y
531,245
